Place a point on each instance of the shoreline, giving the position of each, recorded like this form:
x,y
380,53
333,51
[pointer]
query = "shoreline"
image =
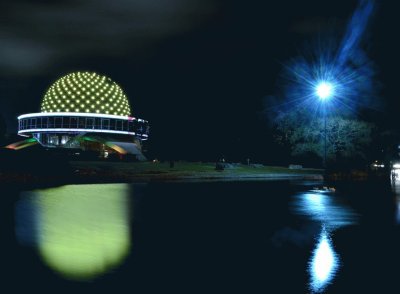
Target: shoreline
x,y
145,172
207,178
188,172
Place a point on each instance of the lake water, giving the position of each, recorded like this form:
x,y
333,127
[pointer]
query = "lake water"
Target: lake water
x,y
243,237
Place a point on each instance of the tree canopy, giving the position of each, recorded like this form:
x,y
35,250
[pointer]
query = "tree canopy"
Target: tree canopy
x,y
345,137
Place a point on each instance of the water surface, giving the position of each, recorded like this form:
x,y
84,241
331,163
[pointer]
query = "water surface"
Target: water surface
x,y
245,237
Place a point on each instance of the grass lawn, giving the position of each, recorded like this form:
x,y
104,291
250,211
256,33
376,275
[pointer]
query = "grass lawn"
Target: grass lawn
x,y
182,169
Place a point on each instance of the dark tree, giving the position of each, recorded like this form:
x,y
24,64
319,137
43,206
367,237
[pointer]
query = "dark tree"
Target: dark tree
x,y
345,137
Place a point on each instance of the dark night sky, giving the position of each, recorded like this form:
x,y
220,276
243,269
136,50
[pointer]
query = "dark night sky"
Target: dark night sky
x,y
198,70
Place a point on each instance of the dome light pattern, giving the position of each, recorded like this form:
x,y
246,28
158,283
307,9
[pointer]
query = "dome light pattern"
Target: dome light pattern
x,y
86,92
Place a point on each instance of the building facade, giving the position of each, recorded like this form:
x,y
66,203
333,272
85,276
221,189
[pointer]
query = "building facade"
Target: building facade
x,y
85,111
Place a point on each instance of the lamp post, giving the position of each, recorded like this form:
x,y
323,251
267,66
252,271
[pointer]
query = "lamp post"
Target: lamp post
x,y
324,91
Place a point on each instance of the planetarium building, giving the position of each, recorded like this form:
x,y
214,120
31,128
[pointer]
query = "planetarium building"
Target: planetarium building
x,y
86,111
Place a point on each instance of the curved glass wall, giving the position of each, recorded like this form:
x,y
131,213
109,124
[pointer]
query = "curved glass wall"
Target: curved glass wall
x,y
78,123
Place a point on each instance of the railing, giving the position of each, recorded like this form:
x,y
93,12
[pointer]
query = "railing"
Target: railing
x,y
81,122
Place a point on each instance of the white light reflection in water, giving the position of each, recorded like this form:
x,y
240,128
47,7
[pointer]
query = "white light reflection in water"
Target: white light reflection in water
x,y
81,231
395,181
324,263
325,208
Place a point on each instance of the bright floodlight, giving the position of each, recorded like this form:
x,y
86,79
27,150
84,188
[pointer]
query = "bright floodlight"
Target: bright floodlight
x,y
324,90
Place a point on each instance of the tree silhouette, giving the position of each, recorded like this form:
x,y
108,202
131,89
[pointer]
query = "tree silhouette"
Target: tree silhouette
x,y
346,137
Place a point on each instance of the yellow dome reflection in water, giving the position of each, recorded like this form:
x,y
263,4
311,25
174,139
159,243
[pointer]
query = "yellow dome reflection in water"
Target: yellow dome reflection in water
x,y
83,229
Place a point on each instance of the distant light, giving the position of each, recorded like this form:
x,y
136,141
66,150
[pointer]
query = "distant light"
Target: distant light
x,y
396,165
324,90
378,165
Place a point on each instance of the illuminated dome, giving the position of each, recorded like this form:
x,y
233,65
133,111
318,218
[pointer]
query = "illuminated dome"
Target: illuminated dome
x,y
86,92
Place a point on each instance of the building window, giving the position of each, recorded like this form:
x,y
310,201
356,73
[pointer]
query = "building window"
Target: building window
x,y
73,122
81,123
50,123
45,122
64,139
53,140
89,123
105,124
58,122
97,123
118,125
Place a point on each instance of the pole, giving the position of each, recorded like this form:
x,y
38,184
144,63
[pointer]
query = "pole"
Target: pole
x,y
324,163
